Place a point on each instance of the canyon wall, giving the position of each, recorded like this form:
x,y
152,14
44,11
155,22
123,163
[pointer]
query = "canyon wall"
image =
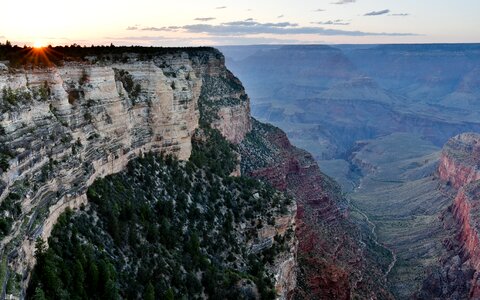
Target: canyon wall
x,y
459,276
460,160
459,166
333,261
63,127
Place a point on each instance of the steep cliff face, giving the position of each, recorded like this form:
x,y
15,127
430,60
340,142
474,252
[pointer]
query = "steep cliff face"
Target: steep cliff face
x,y
460,160
460,272
334,259
224,104
460,166
63,127
465,211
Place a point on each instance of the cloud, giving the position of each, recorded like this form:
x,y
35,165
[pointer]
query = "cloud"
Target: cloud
x,y
340,2
250,27
138,38
170,41
251,23
377,13
399,15
280,16
333,22
132,28
249,19
205,19
242,28
169,28
254,41
220,7
154,29
319,10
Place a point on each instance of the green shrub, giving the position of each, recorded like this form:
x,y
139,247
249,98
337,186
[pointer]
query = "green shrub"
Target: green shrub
x,y
160,221
4,164
133,89
44,91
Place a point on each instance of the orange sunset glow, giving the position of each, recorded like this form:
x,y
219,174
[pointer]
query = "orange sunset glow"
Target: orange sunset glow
x,y
38,45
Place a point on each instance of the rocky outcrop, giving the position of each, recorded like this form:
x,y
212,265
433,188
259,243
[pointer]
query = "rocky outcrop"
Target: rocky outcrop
x,y
332,261
284,265
224,104
63,127
460,273
460,167
460,160
465,210
233,122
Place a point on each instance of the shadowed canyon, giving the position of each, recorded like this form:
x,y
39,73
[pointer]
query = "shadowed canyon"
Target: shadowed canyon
x,y
383,120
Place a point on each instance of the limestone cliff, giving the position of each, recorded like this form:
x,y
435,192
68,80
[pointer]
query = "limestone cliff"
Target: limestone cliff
x,y
63,127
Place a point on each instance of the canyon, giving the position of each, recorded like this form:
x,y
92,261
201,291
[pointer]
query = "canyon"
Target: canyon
x,y
329,97
376,118
394,216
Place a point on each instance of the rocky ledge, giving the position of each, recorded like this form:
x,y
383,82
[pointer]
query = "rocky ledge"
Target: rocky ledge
x,y
460,160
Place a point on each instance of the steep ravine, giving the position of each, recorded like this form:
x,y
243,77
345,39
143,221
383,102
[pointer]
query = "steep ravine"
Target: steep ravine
x,y
375,240
399,194
337,259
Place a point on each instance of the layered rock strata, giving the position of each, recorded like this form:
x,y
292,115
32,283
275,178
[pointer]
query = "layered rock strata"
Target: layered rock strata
x,y
333,261
63,127
459,274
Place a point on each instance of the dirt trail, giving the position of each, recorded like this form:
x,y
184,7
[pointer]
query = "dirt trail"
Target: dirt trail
x,y
375,240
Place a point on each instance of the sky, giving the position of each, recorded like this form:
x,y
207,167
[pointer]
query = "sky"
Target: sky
x,y
228,22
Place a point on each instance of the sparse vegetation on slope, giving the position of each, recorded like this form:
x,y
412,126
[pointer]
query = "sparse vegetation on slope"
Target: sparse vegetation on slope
x,y
165,229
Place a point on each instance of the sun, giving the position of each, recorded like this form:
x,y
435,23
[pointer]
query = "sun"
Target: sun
x,y
38,45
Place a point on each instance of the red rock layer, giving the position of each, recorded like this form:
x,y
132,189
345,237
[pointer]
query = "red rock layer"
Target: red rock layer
x,y
468,234
330,256
459,167
455,172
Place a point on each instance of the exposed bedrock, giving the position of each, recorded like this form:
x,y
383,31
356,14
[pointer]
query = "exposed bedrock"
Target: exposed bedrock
x,y
63,127
459,274
333,260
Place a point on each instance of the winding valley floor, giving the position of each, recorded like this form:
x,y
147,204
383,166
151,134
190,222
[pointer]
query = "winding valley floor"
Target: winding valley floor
x,y
401,199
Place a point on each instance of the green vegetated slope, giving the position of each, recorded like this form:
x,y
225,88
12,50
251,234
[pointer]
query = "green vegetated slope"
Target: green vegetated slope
x,y
165,229
402,199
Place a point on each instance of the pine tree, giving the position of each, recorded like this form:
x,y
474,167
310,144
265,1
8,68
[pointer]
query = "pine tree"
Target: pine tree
x,y
149,292
169,294
39,294
40,249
